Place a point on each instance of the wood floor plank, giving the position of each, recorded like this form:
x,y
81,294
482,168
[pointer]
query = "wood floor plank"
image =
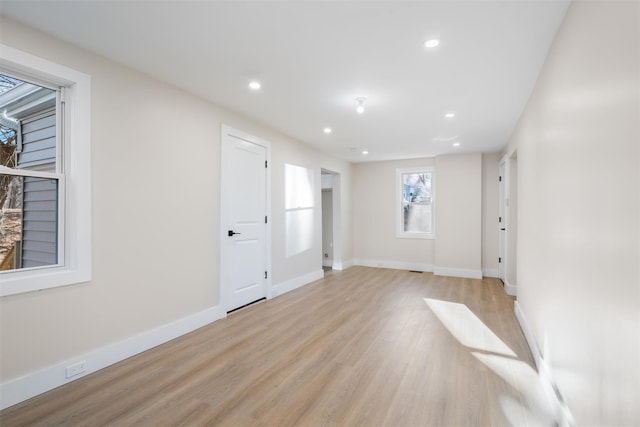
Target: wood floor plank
x,y
360,347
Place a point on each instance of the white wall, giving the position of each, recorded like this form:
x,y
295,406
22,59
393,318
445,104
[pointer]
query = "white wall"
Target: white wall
x,y
460,217
458,247
374,215
578,218
155,172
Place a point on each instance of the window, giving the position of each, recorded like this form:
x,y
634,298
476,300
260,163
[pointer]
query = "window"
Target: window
x,y
299,207
45,200
415,208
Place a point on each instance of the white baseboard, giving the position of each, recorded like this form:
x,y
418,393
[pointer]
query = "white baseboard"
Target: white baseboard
x,y
510,289
295,283
528,334
337,265
396,265
491,272
458,272
35,383
561,410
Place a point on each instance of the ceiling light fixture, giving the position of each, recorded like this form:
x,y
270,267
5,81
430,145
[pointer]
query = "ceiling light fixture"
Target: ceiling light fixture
x,y
432,43
327,130
450,115
456,144
365,152
360,108
255,85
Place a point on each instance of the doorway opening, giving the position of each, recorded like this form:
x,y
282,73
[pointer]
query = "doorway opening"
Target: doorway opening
x,y
331,221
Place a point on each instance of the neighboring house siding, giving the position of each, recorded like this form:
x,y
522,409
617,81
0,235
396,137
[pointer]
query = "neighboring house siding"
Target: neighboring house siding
x,y
37,150
40,222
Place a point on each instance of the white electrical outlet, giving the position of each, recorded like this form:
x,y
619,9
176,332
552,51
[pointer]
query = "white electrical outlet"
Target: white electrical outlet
x,y
77,369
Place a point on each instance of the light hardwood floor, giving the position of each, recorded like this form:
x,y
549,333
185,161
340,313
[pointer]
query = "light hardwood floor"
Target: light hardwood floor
x,y
362,347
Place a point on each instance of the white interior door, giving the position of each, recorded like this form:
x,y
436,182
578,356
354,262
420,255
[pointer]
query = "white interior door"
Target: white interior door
x,y
243,220
502,223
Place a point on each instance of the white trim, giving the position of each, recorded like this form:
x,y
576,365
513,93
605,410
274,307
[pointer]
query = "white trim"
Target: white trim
x,y
562,413
502,213
77,164
295,283
337,265
528,334
509,288
395,265
35,383
491,272
457,272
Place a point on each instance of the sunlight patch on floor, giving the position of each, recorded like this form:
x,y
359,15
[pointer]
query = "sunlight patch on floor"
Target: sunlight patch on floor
x,y
467,328
522,377
532,406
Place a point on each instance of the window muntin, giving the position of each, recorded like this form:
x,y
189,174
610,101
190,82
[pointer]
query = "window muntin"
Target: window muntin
x,y
415,202
71,176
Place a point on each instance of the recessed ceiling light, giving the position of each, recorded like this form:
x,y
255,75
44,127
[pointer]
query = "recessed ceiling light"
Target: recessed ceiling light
x,y
432,43
365,152
327,130
456,144
360,108
255,85
450,115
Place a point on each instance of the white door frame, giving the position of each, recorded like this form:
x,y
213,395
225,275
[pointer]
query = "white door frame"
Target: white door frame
x,y
512,223
226,132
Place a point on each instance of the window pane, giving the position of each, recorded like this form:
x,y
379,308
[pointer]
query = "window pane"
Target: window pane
x,y
299,231
28,204
298,187
28,222
27,125
417,202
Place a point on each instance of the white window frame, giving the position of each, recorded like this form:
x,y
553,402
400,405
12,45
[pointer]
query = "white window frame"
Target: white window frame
x,y
400,233
74,262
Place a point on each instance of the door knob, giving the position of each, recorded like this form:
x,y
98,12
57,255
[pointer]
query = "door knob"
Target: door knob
x,y
231,233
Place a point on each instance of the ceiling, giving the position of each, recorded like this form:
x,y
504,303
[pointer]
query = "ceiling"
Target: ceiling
x,y
313,58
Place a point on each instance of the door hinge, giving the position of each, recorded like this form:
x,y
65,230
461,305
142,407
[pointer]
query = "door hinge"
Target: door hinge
x,y
265,274
265,163
500,179
499,260
265,219
499,219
